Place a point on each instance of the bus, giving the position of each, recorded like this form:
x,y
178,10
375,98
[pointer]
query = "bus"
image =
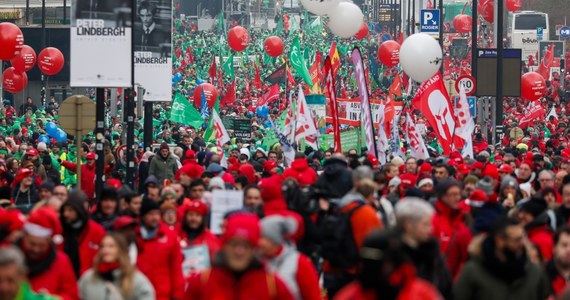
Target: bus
x,y
522,27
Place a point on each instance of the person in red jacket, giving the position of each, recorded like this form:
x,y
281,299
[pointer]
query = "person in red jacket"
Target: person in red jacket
x,y
301,171
236,272
532,215
87,174
386,272
81,235
448,225
159,254
193,230
49,270
295,269
558,269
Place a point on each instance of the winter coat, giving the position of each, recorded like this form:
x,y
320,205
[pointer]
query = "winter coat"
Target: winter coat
x,y
87,177
480,279
416,289
539,233
205,238
143,175
163,168
220,283
557,281
160,259
92,287
57,279
297,272
24,201
301,172
453,235
89,241
336,179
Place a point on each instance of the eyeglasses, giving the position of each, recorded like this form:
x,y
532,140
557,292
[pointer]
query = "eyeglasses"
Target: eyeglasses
x,y
545,179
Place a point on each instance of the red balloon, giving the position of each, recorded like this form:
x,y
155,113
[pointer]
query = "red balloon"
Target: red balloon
x,y
210,93
462,23
514,5
50,61
273,46
533,86
487,10
238,38
14,81
389,53
11,40
362,33
25,61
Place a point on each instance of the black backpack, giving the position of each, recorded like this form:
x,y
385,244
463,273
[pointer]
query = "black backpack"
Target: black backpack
x,y
338,245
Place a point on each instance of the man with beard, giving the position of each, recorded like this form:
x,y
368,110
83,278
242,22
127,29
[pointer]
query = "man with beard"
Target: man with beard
x,y
159,255
558,269
193,232
81,235
500,269
163,166
49,270
414,219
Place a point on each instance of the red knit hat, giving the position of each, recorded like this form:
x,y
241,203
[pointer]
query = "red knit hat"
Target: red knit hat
x,y
408,180
90,155
506,168
456,156
13,219
491,171
269,165
463,169
228,178
248,171
43,222
242,226
32,151
190,154
196,206
529,163
115,183
192,170
425,168
271,188
478,165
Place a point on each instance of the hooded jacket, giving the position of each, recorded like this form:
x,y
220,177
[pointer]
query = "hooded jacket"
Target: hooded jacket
x,y
301,171
539,233
163,168
336,179
87,177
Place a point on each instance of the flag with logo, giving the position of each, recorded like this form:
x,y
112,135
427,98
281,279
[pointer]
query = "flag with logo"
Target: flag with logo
x,y
285,143
257,79
270,96
230,96
532,112
188,58
183,112
465,124
335,58
330,90
305,125
433,102
316,75
546,63
212,70
364,100
382,143
221,135
278,76
415,140
229,67
298,63
204,107
290,119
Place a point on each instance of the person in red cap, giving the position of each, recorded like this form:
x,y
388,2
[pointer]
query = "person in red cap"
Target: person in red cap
x,y
159,254
33,156
525,172
301,171
24,193
505,170
236,272
81,234
407,181
87,174
49,270
193,230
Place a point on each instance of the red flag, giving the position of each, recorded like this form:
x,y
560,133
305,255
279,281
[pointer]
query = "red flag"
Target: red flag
x,y
270,96
178,52
335,58
315,71
188,57
433,102
212,70
546,63
230,96
394,90
429,4
330,90
285,22
533,111
257,80
247,86
290,77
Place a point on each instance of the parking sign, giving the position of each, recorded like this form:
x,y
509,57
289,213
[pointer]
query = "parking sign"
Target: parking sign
x,y
430,21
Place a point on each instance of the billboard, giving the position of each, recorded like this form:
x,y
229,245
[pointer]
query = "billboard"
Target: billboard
x,y
153,48
100,41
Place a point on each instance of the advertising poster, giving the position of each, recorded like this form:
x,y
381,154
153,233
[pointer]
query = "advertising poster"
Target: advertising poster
x,y
100,42
153,48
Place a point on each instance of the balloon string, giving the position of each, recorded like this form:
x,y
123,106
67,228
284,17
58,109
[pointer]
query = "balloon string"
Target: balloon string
x,y
465,7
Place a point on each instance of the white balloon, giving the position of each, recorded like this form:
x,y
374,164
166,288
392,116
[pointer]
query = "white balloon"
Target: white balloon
x,y
345,20
420,56
319,7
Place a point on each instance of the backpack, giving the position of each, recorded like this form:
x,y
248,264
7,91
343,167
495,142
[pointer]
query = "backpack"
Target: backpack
x,y
338,246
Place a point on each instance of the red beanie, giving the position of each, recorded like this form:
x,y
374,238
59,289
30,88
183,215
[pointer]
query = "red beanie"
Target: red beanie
x,y
529,163
491,171
271,188
242,226
190,154
477,198
115,183
248,171
408,180
12,219
196,206
425,168
269,165
228,178
191,170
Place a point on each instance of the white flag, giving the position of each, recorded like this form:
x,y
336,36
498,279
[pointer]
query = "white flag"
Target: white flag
x,y
305,125
552,113
415,140
465,123
382,143
222,137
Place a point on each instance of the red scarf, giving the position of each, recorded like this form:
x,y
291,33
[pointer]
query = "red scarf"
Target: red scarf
x,y
104,267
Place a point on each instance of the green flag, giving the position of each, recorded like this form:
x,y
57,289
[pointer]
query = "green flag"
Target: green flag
x,y
316,24
229,67
298,63
209,133
279,28
221,25
294,26
183,112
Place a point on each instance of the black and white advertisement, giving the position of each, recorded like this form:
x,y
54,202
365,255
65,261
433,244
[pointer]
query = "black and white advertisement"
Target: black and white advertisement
x,y
101,53
153,48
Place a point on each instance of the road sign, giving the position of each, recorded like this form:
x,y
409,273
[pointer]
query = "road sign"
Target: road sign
x,y
539,32
378,28
565,32
468,82
385,37
472,101
77,114
430,21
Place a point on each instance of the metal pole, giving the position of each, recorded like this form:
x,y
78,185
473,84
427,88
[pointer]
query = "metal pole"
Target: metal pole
x,y
413,16
64,11
100,138
408,17
43,77
147,125
441,18
499,105
474,36
129,113
27,12
78,133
